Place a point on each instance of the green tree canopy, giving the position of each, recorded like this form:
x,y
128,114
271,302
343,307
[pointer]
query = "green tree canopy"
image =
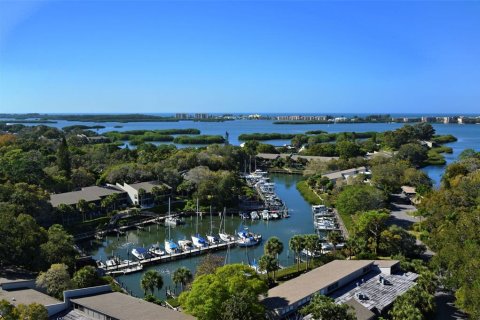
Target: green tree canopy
x,y
358,198
370,225
55,280
414,153
86,277
323,307
59,246
206,298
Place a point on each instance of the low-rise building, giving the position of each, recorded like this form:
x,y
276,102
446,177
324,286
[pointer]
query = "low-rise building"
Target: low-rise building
x,y
345,174
288,297
142,193
86,303
115,305
92,194
369,286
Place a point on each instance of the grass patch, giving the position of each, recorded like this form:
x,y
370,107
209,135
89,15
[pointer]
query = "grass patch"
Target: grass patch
x,y
434,159
173,302
442,149
307,193
441,139
347,221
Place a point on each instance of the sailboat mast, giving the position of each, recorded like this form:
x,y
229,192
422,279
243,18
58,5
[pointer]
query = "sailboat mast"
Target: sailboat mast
x,y
196,228
211,222
169,217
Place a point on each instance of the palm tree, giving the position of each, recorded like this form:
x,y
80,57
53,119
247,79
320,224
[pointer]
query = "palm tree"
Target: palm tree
x,y
312,244
82,206
183,276
92,207
297,244
351,247
334,238
267,263
274,247
150,281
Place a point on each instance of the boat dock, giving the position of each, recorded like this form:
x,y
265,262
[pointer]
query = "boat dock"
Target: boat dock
x,y
273,205
137,266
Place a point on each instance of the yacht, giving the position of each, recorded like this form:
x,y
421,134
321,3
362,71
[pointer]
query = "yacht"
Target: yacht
x,y
199,241
254,215
173,221
248,239
185,245
140,253
170,247
265,215
156,250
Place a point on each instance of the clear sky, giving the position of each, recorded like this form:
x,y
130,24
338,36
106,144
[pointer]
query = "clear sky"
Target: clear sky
x,y
242,56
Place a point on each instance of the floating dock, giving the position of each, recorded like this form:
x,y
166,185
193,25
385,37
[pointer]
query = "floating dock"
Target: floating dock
x,y
137,266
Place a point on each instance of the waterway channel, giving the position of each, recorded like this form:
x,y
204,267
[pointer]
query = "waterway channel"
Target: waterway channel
x,y
300,222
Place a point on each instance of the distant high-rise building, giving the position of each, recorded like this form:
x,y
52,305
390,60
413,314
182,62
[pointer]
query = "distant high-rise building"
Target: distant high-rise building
x,y
201,116
181,116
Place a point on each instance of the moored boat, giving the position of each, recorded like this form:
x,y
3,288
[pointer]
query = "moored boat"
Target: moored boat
x,y
156,250
140,253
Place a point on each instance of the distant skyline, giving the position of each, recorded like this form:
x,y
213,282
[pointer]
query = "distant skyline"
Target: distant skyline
x,y
239,57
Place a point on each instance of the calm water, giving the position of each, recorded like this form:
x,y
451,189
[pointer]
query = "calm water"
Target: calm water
x,y
300,222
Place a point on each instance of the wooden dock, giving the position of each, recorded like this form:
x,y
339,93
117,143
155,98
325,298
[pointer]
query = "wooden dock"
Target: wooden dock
x,y
131,267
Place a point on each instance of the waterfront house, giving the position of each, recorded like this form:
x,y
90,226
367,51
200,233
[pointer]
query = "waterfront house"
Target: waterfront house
x,y
369,286
92,194
143,193
336,176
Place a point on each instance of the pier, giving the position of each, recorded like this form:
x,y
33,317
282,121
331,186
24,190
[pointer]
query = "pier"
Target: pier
x,y
137,266
273,205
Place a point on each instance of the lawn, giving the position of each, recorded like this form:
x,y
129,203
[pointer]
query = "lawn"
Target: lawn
x,y
307,193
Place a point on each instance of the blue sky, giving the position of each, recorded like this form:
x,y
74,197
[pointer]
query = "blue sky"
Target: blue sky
x,y
242,56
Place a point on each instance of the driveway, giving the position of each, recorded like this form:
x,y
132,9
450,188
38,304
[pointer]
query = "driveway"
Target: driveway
x,y
400,206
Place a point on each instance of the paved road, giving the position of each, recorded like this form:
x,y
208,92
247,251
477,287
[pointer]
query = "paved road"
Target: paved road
x,y
400,214
446,309
399,209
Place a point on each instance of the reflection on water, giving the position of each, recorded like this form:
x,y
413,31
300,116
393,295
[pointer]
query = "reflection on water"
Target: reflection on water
x,y
300,222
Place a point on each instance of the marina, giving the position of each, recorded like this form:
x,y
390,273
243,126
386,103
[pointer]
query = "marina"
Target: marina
x,y
226,226
274,207
117,267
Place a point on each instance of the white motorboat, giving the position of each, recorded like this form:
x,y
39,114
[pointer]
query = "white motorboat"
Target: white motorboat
x,y
185,245
156,250
140,253
248,239
173,221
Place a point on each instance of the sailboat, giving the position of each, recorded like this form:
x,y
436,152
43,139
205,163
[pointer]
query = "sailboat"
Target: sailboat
x,y
222,233
197,239
248,239
212,239
170,246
